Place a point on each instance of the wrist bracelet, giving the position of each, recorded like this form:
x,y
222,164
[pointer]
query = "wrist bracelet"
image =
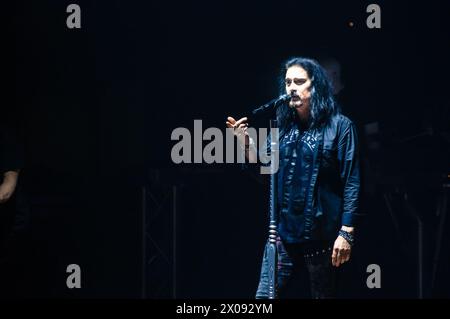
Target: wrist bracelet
x,y
347,236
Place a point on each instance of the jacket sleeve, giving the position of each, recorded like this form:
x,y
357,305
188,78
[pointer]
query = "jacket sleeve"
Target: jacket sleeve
x,y
348,157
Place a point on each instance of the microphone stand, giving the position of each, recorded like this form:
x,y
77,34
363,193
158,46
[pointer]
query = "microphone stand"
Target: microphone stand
x,y
273,221
272,255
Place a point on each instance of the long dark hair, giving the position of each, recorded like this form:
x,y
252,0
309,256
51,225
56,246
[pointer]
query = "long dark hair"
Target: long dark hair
x,y
322,103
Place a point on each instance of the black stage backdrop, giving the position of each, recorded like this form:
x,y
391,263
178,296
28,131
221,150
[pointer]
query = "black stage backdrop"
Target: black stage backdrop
x,y
96,107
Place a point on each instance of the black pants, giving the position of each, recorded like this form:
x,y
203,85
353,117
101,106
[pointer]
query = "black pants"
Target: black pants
x,y
293,261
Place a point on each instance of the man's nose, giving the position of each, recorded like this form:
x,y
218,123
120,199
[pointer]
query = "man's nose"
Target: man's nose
x,y
293,91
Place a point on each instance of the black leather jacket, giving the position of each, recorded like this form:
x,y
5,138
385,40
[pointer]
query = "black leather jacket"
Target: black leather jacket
x,y
318,192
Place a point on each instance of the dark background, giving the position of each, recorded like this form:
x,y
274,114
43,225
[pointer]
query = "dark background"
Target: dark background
x,y
96,107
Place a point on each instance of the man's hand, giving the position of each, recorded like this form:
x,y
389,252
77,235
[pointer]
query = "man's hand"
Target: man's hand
x,y
239,128
341,249
8,186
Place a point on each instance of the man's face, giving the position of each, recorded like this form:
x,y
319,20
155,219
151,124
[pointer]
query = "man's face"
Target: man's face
x,y
298,85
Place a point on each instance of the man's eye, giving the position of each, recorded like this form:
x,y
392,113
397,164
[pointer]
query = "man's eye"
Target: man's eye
x,y
288,82
299,81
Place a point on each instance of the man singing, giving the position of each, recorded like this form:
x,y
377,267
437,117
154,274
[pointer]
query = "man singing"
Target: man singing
x,y
318,181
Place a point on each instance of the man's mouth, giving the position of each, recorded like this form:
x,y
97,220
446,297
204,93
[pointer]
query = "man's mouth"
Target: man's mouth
x,y
295,98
